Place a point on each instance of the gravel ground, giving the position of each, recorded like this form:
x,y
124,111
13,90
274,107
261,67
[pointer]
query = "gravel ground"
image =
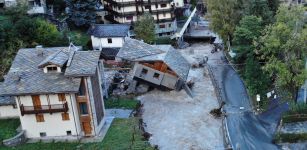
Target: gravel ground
x,y
177,121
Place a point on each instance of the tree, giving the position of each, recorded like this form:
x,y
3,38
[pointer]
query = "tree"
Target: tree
x,y
145,28
47,34
248,30
82,12
273,5
284,48
257,81
224,16
260,8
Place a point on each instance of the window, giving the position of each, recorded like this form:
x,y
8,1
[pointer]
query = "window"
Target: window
x,y
62,97
83,108
119,7
168,33
164,15
82,90
129,17
40,118
65,116
169,25
52,69
156,75
160,34
42,134
109,40
156,5
144,71
147,7
68,132
163,5
161,26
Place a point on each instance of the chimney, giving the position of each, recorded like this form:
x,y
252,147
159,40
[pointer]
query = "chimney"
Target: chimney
x,y
40,50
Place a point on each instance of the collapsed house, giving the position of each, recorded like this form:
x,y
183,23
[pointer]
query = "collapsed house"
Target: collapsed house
x,y
157,65
58,87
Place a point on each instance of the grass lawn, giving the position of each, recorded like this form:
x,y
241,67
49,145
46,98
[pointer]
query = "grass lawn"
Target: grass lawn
x,y
291,138
8,128
118,137
121,103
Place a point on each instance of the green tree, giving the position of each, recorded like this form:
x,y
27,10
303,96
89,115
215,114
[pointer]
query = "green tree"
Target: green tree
x,y
82,12
284,48
145,28
260,8
257,81
248,30
224,16
47,34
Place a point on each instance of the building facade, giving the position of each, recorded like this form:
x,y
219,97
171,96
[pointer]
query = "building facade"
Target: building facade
x,y
34,6
128,11
108,38
58,93
8,107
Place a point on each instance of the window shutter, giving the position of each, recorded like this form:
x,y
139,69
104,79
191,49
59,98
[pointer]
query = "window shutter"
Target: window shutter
x,y
40,118
62,97
65,116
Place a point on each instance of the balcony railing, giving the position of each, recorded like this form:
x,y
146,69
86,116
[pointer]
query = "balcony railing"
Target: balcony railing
x,y
43,109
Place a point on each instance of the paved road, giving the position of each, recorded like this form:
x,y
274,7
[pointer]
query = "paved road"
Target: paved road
x,y
247,131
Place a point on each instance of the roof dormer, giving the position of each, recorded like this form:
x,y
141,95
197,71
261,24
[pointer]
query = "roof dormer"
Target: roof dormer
x,y
52,69
55,62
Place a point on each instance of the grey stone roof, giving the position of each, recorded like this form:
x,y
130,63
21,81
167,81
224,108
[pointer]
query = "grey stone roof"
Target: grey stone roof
x,y
109,30
25,77
84,63
58,58
7,100
134,50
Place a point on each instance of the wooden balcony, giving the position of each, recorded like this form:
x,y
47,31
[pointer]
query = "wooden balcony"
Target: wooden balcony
x,y
43,109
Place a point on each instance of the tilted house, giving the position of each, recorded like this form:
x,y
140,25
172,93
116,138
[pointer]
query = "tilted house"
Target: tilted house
x,y
8,108
57,92
108,38
158,65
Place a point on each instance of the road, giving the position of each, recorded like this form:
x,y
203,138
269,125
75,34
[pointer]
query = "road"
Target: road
x,y
247,131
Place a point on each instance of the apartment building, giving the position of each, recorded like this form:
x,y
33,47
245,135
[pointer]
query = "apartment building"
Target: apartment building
x,y
57,92
128,12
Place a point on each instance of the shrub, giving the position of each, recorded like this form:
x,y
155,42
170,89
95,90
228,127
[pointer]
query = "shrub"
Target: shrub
x,y
290,137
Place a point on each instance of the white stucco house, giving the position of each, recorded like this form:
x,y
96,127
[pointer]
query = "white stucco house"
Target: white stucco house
x,y
57,92
8,107
108,38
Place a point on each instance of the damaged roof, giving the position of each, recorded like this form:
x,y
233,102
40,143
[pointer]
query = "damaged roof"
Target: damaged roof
x,y
135,50
27,77
109,30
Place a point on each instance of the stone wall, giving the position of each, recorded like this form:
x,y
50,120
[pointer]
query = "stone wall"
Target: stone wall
x,y
20,138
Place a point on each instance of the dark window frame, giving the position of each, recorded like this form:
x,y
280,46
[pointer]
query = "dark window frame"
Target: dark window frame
x,y
110,40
